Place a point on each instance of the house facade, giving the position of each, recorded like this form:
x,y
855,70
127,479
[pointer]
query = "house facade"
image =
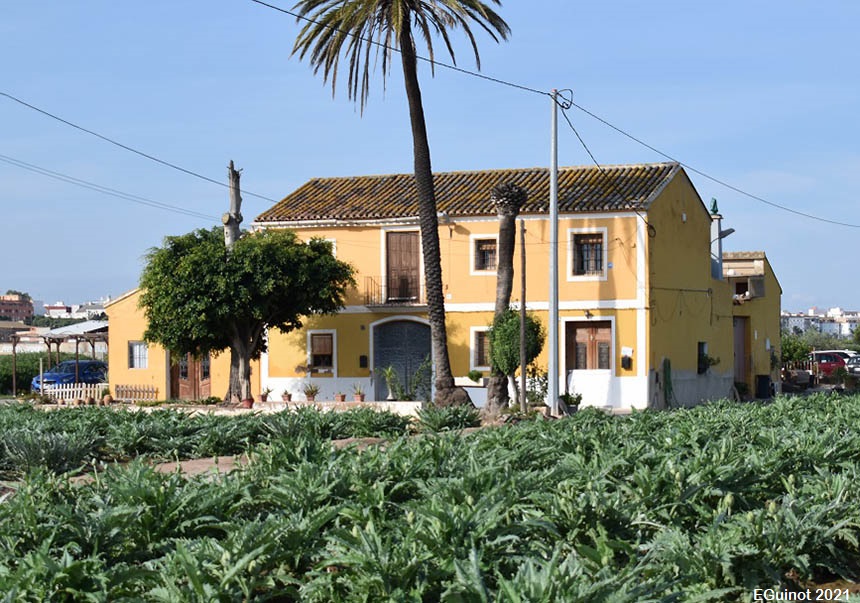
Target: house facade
x,y
645,321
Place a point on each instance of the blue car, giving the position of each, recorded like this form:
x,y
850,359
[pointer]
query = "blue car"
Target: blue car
x,y
89,371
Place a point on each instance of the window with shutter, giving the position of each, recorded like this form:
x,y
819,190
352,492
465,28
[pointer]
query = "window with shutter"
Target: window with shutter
x,y
485,255
322,352
588,255
481,349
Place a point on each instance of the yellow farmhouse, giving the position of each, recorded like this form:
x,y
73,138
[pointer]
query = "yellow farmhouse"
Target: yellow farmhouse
x,y
647,317
652,313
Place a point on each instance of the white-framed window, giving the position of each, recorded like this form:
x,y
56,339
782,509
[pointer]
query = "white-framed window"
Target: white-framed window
x,y
586,254
322,351
483,254
479,349
138,355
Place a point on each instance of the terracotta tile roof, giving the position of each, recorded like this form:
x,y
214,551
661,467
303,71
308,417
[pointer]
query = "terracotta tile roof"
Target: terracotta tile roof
x,y
580,189
744,255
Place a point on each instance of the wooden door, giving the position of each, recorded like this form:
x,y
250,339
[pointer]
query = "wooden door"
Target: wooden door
x,y
741,345
190,378
402,266
588,345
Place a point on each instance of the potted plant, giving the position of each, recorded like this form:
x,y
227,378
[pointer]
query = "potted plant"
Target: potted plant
x,y
247,403
358,392
264,395
340,397
310,390
286,395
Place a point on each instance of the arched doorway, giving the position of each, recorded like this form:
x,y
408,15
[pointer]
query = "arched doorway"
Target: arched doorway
x,y
402,344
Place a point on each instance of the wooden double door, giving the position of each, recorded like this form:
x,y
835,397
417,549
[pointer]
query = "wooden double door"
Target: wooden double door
x,y
191,378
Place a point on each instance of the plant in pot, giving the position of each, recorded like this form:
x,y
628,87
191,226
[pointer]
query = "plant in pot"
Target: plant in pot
x,y
358,392
286,395
310,390
264,395
340,397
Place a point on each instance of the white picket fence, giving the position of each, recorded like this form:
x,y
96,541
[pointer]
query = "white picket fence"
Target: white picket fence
x,y
72,392
135,393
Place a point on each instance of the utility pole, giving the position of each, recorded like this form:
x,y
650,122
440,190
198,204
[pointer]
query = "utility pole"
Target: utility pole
x,y
553,259
523,407
233,218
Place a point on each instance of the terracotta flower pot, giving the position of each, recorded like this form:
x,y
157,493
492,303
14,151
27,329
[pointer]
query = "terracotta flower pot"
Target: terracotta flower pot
x,y
358,397
310,397
264,397
248,403
340,397
286,397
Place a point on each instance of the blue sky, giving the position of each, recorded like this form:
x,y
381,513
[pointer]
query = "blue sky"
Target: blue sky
x,y
762,95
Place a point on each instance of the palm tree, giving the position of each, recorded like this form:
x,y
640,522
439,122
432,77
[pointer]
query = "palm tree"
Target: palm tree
x,y
354,28
508,199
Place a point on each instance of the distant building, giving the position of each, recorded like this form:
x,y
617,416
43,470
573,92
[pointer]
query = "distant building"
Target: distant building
x,y
835,322
58,310
16,307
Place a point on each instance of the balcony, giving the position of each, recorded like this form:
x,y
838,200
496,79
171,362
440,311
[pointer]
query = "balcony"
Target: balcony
x,y
393,290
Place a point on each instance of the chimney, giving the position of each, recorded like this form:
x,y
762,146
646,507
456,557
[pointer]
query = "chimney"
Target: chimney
x,y
716,242
717,236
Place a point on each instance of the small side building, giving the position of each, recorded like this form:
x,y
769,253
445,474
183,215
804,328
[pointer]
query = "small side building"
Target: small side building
x,y
756,295
146,367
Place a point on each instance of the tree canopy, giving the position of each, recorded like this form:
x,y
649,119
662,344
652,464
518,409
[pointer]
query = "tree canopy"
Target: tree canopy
x,y
199,299
504,339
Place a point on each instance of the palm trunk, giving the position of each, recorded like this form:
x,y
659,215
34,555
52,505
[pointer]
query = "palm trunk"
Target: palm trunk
x,y
446,393
509,199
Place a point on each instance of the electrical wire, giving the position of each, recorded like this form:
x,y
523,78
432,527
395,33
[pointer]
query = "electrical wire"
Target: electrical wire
x,y
103,189
131,149
564,105
708,176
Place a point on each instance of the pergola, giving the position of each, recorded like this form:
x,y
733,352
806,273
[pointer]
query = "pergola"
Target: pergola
x,y
90,331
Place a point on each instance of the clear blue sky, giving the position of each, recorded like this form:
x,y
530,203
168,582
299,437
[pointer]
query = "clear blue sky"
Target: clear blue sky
x,y
762,95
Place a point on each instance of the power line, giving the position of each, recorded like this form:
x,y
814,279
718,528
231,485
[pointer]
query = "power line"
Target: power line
x,y
432,62
708,176
130,149
103,189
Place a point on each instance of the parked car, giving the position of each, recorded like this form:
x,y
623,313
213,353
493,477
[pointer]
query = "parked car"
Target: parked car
x,y
89,371
853,365
828,360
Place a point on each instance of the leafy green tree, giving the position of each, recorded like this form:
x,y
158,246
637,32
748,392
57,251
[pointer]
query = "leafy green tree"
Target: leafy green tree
x,y
358,27
198,300
504,337
793,347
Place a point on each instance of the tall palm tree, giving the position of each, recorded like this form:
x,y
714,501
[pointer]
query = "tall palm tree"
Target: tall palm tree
x,y
353,28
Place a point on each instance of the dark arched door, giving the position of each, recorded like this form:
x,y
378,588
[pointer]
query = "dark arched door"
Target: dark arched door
x,y
403,345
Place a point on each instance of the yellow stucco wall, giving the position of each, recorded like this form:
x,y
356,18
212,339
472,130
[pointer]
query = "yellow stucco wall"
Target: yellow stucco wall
x,y
127,324
686,305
